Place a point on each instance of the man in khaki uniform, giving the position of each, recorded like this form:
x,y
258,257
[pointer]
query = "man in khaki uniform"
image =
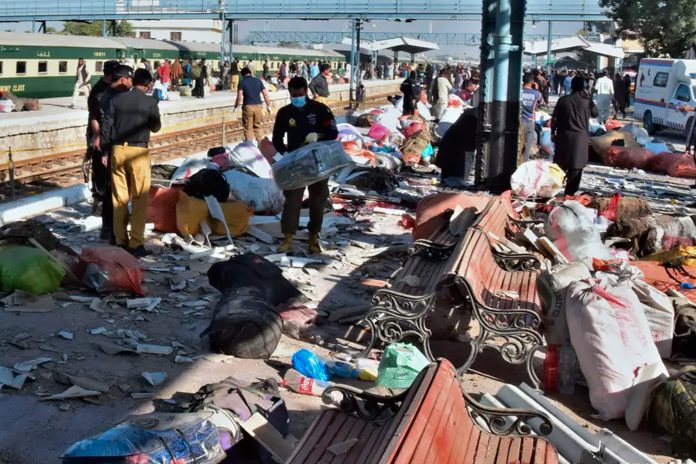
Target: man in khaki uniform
x,y
251,89
129,119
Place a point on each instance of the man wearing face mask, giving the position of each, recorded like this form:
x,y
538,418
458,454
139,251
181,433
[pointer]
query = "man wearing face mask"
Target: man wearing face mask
x,y
304,121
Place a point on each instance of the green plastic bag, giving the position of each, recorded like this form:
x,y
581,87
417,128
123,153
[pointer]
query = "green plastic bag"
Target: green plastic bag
x,y
28,269
400,365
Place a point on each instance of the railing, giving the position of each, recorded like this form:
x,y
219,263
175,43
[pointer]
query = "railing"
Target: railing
x,y
11,10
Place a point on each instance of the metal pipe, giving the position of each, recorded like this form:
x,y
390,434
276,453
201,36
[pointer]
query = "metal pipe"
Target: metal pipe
x,y
548,48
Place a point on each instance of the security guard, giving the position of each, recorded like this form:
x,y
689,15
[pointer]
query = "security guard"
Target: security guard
x,y
101,178
304,121
128,121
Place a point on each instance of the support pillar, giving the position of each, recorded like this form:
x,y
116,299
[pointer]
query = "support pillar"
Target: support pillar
x,y
351,76
501,60
222,41
230,26
356,71
548,49
104,28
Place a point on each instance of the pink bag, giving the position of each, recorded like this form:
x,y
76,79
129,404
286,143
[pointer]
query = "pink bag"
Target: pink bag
x,y
378,132
413,128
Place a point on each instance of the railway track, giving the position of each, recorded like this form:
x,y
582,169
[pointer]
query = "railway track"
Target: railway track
x,y
62,169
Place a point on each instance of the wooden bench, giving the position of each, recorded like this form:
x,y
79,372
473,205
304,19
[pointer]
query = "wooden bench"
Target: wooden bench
x,y
472,269
433,422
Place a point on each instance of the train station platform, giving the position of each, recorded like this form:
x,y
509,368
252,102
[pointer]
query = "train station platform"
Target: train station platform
x,y
57,128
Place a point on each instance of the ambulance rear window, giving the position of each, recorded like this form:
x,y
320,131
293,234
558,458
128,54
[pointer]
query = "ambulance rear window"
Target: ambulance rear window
x,y
660,79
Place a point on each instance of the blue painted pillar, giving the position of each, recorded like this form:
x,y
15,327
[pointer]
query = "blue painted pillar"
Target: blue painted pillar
x,y
548,49
352,60
501,71
104,29
222,40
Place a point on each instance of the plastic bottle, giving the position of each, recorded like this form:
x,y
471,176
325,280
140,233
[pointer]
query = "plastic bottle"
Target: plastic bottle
x,y
304,385
550,375
567,365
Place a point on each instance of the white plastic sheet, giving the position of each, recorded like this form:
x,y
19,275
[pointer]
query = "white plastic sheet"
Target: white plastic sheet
x,y
537,178
263,195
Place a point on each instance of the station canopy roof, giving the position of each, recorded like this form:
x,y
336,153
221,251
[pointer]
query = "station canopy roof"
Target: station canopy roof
x,y
572,43
397,44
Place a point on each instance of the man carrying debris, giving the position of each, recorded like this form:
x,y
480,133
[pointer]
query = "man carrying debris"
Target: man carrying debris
x,y
131,117
251,89
304,121
99,154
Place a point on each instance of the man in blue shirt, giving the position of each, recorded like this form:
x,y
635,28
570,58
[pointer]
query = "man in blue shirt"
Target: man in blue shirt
x,y
530,100
249,96
313,70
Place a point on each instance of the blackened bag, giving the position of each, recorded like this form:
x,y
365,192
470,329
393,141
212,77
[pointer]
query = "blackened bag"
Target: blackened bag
x,y
244,325
208,182
252,270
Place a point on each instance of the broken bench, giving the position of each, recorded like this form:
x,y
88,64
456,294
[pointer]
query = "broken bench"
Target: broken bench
x,y
434,421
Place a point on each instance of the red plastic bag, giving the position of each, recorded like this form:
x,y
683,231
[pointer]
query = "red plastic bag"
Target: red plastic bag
x,y
161,208
613,124
110,269
378,132
673,164
413,128
627,157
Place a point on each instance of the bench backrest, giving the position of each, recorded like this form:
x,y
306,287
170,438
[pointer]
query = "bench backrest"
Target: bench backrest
x,y
487,280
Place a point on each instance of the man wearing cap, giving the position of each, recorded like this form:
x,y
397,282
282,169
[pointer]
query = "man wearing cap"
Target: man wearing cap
x,y
131,117
101,178
320,84
249,94
304,121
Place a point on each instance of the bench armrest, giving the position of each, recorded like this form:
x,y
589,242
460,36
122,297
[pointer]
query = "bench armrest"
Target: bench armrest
x,y
500,420
517,261
362,404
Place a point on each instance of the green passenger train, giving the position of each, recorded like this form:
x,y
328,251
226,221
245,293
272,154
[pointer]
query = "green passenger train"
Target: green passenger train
x,y
44,65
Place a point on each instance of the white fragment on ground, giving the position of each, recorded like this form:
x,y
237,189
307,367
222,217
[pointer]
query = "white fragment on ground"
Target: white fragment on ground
x,y
72,393
66,335
146,348
154,378
28,366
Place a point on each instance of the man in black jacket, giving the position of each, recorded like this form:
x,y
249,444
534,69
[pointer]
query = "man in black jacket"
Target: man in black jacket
x,y
128,121
304,121
101,177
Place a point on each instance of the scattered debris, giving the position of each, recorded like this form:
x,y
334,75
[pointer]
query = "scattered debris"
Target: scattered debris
x,y
154,349
154,378
72,393
28,366
66,335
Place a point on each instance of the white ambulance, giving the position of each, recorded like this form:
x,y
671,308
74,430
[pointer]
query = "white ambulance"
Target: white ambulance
x,y
662,87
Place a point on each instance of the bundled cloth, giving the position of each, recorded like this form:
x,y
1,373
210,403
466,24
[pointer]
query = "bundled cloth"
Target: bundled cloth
x,y
537,179
309,164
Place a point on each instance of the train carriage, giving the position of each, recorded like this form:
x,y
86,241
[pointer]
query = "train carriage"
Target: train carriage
x,y
42,66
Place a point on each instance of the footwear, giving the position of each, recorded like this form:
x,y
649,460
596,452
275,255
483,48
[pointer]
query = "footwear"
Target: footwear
x,y
286,246
314,245
140,252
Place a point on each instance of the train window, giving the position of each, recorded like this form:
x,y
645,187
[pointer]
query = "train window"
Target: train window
x,y
0,68
144,35
98,66
43,66
62,66
175,36
21,67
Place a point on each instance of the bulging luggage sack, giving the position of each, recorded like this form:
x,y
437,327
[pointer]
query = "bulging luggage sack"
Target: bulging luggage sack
x,y
309,164
181,438
244,326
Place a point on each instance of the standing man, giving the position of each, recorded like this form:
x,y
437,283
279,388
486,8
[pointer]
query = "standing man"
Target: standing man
x,y
441,89
571,117
304,121
98,154
605,94
283,72
175,74
313,70
82,85
411,91
320,84
265,69
234,73
619,96
164,73
131,117
249,96
201,79
530,100
566,83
